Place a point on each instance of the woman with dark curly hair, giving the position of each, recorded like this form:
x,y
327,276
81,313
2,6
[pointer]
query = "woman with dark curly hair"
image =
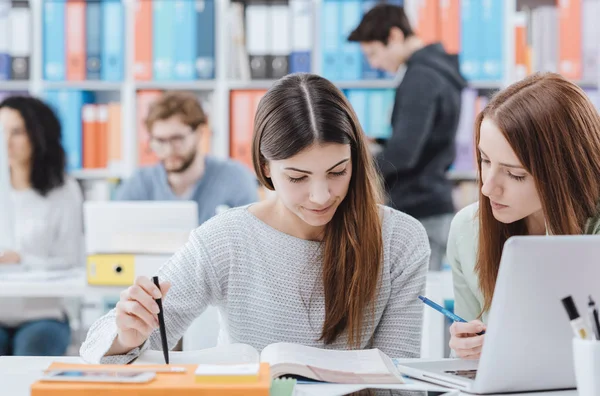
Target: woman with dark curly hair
x,y
47,209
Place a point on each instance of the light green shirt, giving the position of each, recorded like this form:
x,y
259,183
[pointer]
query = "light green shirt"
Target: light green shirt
x,y
462,256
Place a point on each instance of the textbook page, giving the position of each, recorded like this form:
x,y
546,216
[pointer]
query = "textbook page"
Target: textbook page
x,y
225,354
358,366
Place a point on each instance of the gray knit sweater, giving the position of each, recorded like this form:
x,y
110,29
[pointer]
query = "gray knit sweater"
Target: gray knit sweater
x,y
267,286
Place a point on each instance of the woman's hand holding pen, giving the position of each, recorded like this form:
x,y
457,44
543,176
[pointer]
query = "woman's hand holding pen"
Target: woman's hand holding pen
x,y
464,339
136,314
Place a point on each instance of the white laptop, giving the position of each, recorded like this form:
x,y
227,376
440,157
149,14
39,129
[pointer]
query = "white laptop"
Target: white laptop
x,y
528,339
7,232
138,227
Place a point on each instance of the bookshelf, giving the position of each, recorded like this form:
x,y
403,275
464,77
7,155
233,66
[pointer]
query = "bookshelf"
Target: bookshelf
x,y
219,89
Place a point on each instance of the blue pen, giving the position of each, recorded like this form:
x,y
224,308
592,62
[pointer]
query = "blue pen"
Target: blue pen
x,y
448,314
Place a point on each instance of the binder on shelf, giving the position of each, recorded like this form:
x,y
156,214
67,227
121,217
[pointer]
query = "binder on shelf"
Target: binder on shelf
x,y
54,51
428,26
280,41
350,53
113,42
114,269
470,38
590,43
465,149
450,25
93,42
302,37
76,37
102,141
68,105
163,36
380,105
186,37
5,63
205,51
243,105
143,66
358,98
492,22
90,131
20,39
330,39
115,155
569,42
257,38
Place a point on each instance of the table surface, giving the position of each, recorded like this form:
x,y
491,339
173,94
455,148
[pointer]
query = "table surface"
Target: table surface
x,y
18,373
67,287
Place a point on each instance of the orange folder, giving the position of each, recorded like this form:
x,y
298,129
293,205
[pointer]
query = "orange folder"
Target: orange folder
x,y
89,116
75,32
180,384
450,25
569,39
142,66
428,25
102,150
114,135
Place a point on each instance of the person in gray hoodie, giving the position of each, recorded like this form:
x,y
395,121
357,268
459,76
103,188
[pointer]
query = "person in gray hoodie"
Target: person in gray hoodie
x,y
414,161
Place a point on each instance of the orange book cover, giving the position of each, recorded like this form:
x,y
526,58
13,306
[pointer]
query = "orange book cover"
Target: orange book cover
x,y
102,150
428,25
145,154
114,135
75,37
569,38
89,117
142,65
180,384
450,25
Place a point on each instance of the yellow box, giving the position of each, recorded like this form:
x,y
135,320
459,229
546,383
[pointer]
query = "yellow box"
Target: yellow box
x,y
111,269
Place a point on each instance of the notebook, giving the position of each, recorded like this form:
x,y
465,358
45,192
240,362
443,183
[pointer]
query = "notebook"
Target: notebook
x,y
368,366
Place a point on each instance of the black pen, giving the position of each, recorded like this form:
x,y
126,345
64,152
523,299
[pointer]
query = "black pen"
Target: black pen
x,y
161,323
593,313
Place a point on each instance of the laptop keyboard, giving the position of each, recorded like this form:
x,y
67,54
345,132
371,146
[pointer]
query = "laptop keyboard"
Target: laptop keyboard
x,y
470,374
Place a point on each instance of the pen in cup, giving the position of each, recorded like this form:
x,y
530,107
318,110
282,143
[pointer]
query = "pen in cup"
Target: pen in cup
x,y
580,329
447,313
161,323
593,316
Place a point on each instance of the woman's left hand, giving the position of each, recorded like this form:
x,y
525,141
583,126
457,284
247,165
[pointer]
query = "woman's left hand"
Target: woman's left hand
x,y
9,257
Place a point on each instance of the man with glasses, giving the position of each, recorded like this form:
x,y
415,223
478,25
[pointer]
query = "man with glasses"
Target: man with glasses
x,y
176,123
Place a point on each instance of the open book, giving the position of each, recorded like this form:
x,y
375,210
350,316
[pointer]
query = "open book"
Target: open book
x,y
369,366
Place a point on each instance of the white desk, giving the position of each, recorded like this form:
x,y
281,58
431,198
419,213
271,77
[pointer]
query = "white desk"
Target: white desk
x,y
17,374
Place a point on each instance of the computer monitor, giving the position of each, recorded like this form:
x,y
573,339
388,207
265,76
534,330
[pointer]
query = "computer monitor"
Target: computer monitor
x,y
7,234
138,227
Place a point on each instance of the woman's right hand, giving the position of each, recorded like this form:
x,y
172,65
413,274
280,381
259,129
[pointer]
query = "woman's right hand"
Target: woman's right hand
x,y
464,339
136,314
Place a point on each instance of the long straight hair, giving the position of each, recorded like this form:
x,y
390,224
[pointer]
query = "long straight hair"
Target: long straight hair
x,y
301,110
554,130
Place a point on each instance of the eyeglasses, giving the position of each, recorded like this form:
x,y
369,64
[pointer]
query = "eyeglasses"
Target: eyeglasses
x,y
177,143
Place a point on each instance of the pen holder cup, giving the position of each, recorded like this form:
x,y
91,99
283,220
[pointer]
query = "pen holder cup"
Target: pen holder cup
x,y
586,359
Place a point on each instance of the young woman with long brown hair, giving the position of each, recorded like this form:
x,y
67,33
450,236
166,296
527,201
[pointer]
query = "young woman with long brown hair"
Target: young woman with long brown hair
x,y
538,150
320,264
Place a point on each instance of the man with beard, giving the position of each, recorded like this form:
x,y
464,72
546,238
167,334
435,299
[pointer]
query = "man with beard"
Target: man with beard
x,y
176,123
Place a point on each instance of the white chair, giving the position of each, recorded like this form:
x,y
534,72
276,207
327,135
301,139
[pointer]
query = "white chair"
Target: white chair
x,y
204,331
